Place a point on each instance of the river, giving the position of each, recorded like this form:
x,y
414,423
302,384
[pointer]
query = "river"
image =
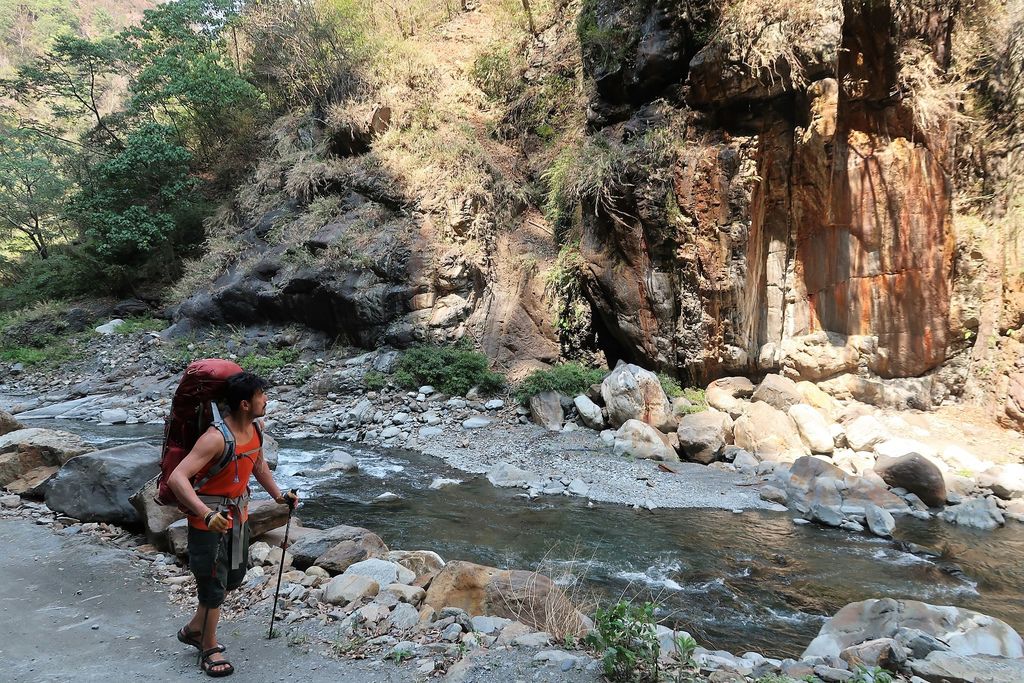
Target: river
x,y
749,581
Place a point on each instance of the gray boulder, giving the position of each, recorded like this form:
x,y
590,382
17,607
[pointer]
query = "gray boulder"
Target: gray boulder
x,y
155,518
965,631
317,542
703,435
383,572
915,473
777,391
508,476
641,440
632,393
546,410
953,668
96,487
589,412
979,513
880,522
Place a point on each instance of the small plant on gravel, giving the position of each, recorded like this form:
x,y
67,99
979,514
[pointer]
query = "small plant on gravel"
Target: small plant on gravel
x,y
874,674
375,381
454,369
625,638
266,362
568,379
141,324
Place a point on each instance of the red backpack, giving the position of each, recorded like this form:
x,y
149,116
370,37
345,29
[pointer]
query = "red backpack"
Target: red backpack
x,y
193,411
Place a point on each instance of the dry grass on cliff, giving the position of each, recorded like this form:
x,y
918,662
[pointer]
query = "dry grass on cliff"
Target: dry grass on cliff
x,y
770,35
934,96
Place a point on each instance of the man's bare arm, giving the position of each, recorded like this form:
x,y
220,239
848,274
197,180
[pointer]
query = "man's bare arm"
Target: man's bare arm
x,y
209,446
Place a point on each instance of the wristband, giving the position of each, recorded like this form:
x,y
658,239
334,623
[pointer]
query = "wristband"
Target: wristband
x,y
209,516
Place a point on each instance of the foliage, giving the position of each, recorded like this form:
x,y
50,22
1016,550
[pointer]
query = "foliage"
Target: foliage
x,y
41,335
874,674
454,369
375,381
585,172
141,324
494,74
568,379
670,385
603,46
32,189
625,638
261,363
565,281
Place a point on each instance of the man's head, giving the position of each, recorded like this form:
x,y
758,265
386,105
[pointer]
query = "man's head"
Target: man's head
x,y
245,392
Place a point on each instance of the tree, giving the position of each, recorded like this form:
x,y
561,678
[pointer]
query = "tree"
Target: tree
x,y
33,187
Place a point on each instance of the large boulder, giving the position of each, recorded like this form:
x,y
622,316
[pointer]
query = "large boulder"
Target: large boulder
x,y
383,572
778,392
1006,481
632,393
812,481
26,449
316,543
916,474
265,514
768,433
528,597
965,632
979,513
8,424
813,428
589,412
641,440
155,517
96,487
546,410
33,483
947,666
703,435
865,432
726,394
426,564
343,555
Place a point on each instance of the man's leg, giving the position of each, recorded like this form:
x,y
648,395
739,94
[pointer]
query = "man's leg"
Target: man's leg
x,y
208,560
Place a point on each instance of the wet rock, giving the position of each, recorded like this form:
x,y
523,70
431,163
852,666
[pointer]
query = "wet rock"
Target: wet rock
x,y
880,521
813,428
703,435
967,632
546,410
508,476
95,487
340,460
640,440
916,474
979,513
768,433
632,393
777,391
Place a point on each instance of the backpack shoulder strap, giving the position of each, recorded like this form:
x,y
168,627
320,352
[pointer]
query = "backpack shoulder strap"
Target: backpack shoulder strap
x,y
229,447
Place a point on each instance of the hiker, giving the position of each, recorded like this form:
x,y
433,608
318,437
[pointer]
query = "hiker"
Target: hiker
x,y
217,509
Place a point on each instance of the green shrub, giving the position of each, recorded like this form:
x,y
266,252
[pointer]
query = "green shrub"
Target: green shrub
x,y
568,379
374,381
872,675
141,324
625,637
266,362
494,73
453,369
670,385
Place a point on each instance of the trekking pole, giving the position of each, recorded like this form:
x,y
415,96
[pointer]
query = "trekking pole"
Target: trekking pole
x,y
280,571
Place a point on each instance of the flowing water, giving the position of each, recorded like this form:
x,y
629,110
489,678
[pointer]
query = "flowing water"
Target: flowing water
x,y
750,581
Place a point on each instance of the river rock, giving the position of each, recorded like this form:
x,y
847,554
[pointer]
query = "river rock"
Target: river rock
x,y
865,432
114,416
316,543
979,513
403,617
265,515
425,564
8,424
640,440
340,460
546,410
528,597
915,473
42,446
32,484
177,538
343,589
589,412
110,327
777,391
271,450
965,631
509,476
95,487
632,393
768,433
1006,481
155,518
813,428
880,522
725,394
886,653
948,667
703,435
382,571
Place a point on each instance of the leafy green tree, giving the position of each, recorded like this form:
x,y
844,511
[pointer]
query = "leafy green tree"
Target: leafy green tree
x,y
33,186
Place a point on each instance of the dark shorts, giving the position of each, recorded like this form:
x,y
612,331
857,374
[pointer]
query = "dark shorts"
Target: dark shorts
x,y
209,559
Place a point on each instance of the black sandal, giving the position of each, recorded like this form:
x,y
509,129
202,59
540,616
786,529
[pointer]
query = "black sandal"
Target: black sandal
x,y
210,667
190,637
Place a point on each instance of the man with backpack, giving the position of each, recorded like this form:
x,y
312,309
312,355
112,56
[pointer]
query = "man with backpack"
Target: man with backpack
x,y
211,484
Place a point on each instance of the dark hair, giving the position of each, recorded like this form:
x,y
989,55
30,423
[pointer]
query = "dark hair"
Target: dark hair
x,y
242,387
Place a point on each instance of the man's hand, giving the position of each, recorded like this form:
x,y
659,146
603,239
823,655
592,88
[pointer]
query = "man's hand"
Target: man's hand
x,y
217,521
291,499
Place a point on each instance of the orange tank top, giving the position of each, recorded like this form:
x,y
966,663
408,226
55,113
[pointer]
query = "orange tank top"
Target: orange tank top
x,y
233,480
